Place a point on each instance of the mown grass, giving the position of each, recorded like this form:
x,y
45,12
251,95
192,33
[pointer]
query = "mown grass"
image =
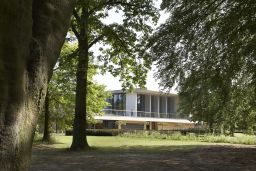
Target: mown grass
x,y
153,139
140,153
61,141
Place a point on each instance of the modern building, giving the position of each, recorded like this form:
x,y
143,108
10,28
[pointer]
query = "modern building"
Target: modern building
x,y
143,109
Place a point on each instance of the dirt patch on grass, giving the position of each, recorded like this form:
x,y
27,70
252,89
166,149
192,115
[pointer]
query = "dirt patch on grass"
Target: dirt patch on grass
x,y
142,158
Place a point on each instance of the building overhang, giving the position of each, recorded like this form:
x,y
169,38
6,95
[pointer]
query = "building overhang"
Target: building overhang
x,y
146,92
143,119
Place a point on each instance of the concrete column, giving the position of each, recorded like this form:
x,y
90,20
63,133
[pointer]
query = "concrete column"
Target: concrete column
x,y
150,105
158,103
166,99
119,125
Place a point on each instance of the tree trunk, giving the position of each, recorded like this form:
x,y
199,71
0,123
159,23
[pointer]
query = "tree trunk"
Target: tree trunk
x,y
32,33
46,136
79,127
231,129
210,123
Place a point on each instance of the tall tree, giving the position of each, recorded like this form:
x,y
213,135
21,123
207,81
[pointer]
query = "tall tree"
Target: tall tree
x,y
60,91
124,54
208,48
31,36
61,88
46,135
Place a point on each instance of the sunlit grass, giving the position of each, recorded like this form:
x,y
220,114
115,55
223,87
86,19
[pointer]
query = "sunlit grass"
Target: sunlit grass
x,y
153,140
61,141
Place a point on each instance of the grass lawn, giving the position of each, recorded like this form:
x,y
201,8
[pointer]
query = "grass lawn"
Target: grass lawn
x,y
126,153
117,141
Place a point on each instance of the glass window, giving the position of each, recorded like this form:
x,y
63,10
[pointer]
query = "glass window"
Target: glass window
x,y
110,101
140,102
119,101
162,104
154,103
170,105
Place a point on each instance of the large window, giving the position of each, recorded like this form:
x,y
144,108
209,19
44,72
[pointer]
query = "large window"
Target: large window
x,y
162,106
119,101
110,101
170,105
140,102
154,103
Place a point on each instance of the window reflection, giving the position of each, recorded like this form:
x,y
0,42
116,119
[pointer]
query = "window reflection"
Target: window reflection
x,y
153,103
170,106
118,101
140,102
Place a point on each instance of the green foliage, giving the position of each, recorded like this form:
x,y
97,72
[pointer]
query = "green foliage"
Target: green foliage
x,y
62,90
207,48
96,100
242,139
122,51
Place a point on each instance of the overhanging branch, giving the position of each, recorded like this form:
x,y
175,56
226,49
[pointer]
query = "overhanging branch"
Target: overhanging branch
x,y
95,41
77,17
113,3
73,28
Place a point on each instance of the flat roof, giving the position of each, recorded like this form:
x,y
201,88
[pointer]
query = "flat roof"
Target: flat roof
x,y
142,119
145,91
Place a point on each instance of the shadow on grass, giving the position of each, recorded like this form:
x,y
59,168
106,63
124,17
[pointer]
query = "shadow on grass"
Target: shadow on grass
x,y
176,157
139,149
52,141
146,149
54,146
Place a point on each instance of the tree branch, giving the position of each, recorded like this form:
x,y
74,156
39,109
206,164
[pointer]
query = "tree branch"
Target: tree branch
x,y
78,20
77,17
122,42
73,28
113,3
95,41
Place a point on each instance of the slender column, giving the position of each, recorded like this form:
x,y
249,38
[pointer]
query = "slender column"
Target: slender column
x,y
150,105
119,125
158,102
136,103
166,99
145,125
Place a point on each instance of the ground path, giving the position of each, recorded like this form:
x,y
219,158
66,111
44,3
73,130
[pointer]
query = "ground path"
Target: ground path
x,y
146,158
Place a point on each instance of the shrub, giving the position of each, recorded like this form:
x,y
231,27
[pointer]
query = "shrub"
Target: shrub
x,y
241,139
96,132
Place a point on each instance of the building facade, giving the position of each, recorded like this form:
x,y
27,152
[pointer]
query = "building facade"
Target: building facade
x,y
143,109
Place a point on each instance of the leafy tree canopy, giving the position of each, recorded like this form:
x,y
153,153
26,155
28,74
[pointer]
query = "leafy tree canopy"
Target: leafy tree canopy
x,y
123,51
62,90
208,48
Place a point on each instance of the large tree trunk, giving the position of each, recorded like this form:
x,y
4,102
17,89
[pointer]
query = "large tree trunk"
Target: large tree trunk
x,y
46,136
79,126
32,33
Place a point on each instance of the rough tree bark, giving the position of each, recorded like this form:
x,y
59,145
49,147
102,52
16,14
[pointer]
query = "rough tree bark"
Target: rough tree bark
x,y
32,33
46,136
79,127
